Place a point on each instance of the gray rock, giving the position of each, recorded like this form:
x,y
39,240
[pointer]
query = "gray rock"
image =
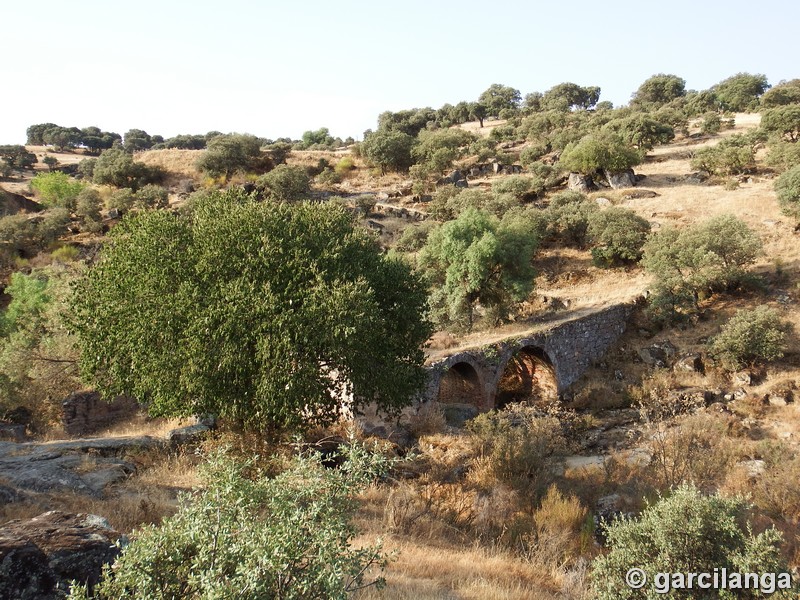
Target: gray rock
x,y
690,363
625,179
12,432
456,415
742,378
114,213
188,435
580,183
652,356
602,201
640,194
40,556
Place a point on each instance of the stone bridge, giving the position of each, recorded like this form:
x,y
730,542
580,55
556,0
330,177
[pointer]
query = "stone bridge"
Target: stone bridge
x,y
536,366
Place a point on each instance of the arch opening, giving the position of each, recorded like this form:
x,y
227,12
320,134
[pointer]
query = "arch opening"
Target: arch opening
x,y
529,376
460,385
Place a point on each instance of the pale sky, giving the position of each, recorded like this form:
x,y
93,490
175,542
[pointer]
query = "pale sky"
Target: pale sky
x,y
277,69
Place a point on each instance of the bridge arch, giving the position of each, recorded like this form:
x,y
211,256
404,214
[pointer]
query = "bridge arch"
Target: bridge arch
x,y
528,375
461,383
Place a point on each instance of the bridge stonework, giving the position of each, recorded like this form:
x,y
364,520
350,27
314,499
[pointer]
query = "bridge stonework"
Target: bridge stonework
x,y
563,353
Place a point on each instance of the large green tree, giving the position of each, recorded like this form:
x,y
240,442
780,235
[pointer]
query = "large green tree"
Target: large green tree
x,y
659,90
740,92
478,259
229,154
498,97
265,313
389,150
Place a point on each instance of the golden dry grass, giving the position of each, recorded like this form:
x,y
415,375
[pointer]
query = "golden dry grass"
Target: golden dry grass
x,y
175,161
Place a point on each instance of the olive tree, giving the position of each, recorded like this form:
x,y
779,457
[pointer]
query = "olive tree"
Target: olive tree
x,y
787,187
268,314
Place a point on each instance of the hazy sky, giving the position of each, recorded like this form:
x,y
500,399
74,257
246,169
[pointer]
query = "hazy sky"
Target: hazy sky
x,y
279,68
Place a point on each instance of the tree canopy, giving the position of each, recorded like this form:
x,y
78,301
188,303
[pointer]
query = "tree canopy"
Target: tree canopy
x,y
740,92
265,313
659,89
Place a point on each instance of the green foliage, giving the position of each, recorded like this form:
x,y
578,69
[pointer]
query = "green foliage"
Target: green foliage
x,y
151,196
297,542
566,96
740,93
449,202
117,167
86,168
681,533
659,90
51,162
226,155
410,122
705,257
137,140
123,200
87,207
414,237
245,309
711,123
23,236
750,336
477,259
521,187
389,150
787,188
37,355
782,155
783,121
618,235
786,92
532,153
438,149
731,156
57,189
317,140
602,151
285,183
567,218
641,131
17,157
497,98
344,166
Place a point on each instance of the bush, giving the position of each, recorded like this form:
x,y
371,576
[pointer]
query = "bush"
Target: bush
x,y
122,200
151,196
116,167
711,123
618,235
57,189
296,543
599,152
783,155
685,531
229,154
415,236
65,254
344,166
520,186
731,156
285,183
568,218
787,188
750,336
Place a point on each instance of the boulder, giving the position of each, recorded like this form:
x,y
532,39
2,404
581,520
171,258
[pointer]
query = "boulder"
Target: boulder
x,y
640,194
580,183
625,179
691,363
86,412
456,415
188,435
40,556
12,432
602,201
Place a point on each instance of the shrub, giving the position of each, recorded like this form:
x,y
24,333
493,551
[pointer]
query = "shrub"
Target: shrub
x,y
787,188
151,196
328,178
618,235
65,254
711,123
750,336
229,154
731,156
123,200
86,168
57,189
296,545
415,236
285,183
116,167
601,151
344,166
519,186
532,153
685,531
783,155
568,218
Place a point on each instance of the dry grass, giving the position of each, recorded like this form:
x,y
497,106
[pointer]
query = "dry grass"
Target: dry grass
x,y
173,160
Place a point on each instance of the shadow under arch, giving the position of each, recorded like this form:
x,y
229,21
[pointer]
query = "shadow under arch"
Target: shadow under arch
x,y
528,376
461,384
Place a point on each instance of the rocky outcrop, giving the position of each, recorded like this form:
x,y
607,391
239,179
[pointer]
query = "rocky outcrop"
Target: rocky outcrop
x,y
40,556
624,179
580,183
86,412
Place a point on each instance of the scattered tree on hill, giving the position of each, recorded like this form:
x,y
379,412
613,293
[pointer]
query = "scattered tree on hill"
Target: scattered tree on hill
x,y
786,92
51,162
685,531
478,112
731,156
601,152
566,96
567,218
498,97
698,260
17,157
389,150
151,196
269,314
226,155
478,259
136,140
783,121
319,139
750,336
641,131
118,168
87,207
659,90
741,92
787,188
410,122
95,140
